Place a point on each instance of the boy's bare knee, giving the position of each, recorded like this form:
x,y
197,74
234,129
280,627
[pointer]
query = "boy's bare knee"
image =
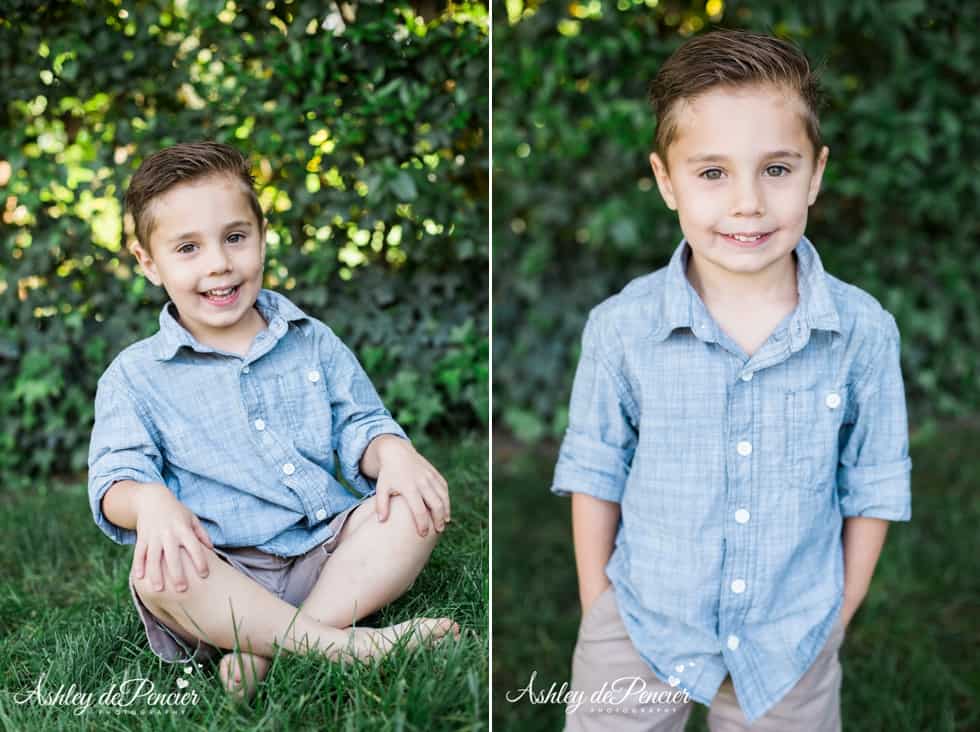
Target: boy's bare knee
x,y
402,519
171,591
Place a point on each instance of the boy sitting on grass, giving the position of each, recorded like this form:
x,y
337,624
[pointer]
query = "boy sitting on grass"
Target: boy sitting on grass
x,y
213,448
737,439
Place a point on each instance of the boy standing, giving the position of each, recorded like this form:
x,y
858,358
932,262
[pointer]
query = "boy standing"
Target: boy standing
x,y
737,436
213,448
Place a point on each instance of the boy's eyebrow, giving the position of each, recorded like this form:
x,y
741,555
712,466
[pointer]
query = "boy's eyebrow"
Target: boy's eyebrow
x,y
192,234
714,158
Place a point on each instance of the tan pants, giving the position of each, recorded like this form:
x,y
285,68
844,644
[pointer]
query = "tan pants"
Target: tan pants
x,y
604,651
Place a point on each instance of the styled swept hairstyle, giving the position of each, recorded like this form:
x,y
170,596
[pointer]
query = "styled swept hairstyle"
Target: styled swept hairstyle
x,y
731,58
181,163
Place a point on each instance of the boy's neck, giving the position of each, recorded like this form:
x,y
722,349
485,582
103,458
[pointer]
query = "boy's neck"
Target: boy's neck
x,y
238,342
775,284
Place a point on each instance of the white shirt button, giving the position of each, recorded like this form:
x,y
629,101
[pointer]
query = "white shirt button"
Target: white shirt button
x,y
289,468
733,642
259,424
744,448
738,586
833,400
742,516
313,376
245,369
320,515
747,376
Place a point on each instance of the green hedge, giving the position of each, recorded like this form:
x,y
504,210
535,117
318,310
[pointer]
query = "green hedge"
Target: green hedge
x,y
368,135
576,213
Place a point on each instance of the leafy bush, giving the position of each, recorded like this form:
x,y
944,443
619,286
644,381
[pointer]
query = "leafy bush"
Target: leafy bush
x,y
367,130
576,212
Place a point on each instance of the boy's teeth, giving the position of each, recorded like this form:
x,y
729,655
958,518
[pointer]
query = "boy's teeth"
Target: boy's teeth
x,y
220,293
746,238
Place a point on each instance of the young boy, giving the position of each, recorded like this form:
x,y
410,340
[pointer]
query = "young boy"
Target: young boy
x,y
213,448
732,414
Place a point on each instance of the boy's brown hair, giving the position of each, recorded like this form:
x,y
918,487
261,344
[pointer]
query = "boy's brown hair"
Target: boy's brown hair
x,y
731,58
188,161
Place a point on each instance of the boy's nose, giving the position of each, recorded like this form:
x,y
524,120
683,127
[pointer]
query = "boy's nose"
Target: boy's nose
x,y
218,260
748,200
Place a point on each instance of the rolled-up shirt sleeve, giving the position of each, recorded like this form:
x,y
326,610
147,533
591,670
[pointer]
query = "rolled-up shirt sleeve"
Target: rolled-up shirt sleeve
x,y
357,413
121,448
874,473
598,446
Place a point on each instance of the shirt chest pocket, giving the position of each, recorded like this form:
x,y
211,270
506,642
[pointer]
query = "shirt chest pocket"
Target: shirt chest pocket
x,y
305,404
814,417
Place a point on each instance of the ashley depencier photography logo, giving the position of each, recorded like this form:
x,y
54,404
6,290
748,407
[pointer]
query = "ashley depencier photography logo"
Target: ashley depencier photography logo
x,y
131,696
628,691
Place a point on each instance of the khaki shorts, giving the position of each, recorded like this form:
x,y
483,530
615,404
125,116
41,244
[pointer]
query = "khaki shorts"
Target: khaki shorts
x,y
288,578
604,651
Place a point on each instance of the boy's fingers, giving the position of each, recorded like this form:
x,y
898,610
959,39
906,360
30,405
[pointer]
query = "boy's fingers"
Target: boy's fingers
x,y
436,507
442,488
153,574
175,568
198,558
419,511
202,533
381,503
139,560
202,536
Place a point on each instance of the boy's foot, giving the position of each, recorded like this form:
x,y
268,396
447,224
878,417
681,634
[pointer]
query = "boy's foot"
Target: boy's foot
x,y
371,643
230,670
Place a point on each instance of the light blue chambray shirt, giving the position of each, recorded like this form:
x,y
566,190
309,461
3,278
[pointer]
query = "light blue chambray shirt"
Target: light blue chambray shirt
x,y
734,474
246,443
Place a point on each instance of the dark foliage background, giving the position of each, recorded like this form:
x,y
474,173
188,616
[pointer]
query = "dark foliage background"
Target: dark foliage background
x,y
576,213
367,127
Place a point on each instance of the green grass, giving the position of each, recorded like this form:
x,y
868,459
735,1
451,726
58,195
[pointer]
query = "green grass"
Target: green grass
x,y
910,657
65,610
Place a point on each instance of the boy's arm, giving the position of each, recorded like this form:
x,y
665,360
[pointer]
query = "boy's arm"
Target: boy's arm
x,y
120,504
874,474
595,457
863,539
357,414
594,524
121,448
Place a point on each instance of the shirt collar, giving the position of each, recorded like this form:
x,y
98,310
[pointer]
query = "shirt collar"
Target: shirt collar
x,y
277,310
681,306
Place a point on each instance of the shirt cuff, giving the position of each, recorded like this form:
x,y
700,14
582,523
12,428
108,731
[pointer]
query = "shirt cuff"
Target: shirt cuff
x,y
588,466
876,491
104,483
353,449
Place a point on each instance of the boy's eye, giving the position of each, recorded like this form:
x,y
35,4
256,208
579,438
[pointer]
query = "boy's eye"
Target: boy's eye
x,y
183,248
239,238
776,171
711,174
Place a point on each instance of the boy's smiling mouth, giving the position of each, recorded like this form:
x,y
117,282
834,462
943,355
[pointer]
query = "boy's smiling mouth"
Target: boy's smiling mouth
x,y
748,238
221,295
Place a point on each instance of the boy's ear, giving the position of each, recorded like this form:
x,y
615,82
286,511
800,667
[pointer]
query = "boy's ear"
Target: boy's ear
x,y
817,176
146,263
663,181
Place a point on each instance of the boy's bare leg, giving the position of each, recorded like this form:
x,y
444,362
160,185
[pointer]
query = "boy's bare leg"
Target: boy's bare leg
x,y
264,622
374,564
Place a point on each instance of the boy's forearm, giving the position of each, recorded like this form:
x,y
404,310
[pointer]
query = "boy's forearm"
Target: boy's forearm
x,y
594,524
863,539
370,465
120,504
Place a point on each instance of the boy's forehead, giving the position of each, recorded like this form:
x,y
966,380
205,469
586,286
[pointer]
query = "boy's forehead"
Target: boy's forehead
x,y
733,121
201,204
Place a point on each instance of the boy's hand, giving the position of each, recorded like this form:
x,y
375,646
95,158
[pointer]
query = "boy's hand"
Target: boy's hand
x,y
163,526
402,471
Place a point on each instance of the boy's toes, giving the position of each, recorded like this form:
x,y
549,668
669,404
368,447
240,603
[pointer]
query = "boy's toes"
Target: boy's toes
x,y
230,671
446,626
